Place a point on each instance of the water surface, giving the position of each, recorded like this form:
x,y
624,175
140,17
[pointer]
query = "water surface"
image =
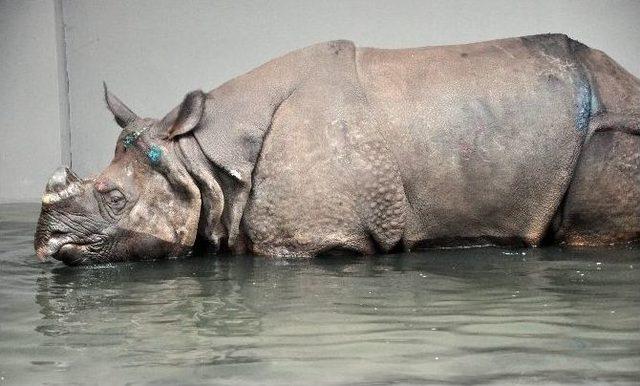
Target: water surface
x,y
526,316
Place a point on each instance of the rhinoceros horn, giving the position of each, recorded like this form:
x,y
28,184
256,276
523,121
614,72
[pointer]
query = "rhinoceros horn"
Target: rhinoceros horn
x,y
62,184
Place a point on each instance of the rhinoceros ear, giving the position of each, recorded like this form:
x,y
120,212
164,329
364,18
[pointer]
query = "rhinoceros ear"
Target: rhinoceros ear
x,y
186,116
123,115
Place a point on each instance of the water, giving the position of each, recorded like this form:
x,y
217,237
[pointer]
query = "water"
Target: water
x,y
544,316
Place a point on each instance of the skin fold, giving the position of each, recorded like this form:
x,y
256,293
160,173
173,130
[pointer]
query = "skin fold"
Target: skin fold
x,y
515,142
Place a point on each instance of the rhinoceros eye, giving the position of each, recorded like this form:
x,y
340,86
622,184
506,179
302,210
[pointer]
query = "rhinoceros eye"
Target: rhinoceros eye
x,y
115,200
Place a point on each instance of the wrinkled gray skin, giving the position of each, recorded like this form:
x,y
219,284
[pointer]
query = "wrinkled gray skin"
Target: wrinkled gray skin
x,y
518,141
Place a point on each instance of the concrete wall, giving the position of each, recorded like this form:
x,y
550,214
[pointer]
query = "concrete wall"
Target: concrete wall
x,y
152,52
30,129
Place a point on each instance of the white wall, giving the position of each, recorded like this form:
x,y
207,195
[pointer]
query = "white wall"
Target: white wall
x,y
30,135
152,52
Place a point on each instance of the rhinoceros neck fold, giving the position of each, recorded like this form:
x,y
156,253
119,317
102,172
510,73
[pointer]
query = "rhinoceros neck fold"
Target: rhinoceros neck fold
x,y
207,178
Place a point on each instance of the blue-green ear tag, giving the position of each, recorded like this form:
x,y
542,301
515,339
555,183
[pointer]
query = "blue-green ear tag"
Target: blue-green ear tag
x,y
130,140
154,154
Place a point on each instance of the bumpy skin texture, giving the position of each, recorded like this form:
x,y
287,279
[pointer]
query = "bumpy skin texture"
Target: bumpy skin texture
x,y
514,142
474,144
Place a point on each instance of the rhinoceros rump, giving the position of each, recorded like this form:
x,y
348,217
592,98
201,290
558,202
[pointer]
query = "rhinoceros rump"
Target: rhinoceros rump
x,y
520,141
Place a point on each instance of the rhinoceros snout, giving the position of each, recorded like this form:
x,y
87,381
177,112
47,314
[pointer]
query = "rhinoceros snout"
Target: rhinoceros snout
x,y
54,229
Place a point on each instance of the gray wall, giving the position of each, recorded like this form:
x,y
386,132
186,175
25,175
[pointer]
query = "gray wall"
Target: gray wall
x,y
30,145
152,52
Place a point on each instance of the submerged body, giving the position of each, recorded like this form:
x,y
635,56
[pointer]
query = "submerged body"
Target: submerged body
x,y
513,142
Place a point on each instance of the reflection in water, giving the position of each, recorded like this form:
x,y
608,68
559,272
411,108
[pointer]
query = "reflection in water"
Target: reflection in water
x,y
471,316
158,312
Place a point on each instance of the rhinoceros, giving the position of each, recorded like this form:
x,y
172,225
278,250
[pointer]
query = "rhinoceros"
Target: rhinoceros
x,y
515,142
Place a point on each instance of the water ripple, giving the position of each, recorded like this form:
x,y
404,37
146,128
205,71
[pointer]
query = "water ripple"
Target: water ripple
x,y
487,316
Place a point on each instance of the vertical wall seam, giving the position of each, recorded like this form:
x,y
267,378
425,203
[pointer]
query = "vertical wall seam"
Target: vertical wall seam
x,y
63,85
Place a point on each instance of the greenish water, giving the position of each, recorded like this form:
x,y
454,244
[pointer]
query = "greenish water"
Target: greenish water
x,y
543,316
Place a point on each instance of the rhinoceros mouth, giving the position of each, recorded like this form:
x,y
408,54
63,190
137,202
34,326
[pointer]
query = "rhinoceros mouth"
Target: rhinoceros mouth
x,y
71,254
68,250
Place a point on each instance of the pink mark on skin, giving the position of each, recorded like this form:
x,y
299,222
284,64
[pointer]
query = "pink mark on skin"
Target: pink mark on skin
x,y
102,186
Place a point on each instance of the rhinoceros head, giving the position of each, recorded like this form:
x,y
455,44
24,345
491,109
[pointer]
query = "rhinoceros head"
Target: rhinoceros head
x,y
144,205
